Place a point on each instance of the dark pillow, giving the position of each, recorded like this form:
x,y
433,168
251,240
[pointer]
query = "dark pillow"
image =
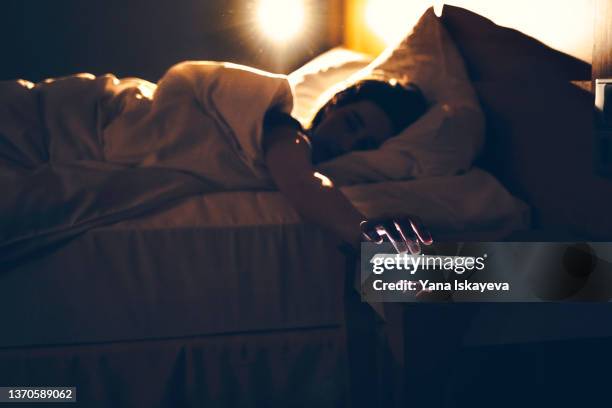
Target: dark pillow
x,y
540,145
492,52
540,139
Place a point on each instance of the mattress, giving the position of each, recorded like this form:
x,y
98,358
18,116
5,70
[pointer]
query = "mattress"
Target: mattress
x,y
222,263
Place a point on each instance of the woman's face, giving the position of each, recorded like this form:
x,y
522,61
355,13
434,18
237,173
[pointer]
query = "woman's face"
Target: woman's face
x,y
361,125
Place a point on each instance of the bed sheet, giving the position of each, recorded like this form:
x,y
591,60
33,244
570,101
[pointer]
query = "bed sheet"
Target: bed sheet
x,y
220,263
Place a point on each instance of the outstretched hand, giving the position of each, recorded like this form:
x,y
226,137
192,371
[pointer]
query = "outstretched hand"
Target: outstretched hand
x,y
406,234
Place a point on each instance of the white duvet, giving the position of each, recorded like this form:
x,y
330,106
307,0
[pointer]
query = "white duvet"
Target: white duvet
x,y
81,151
204,118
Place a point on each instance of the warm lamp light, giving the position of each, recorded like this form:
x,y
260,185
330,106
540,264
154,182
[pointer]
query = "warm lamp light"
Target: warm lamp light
x,y
390,20
281,20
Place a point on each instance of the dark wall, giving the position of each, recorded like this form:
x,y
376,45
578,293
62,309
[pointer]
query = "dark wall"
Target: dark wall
x,y
43,38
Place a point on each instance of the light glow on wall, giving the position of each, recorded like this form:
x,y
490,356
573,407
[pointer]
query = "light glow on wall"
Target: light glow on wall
x,y
566,25
391,19
371,25
281,20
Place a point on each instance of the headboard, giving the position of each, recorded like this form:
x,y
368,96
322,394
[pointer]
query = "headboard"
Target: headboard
x,y
143,38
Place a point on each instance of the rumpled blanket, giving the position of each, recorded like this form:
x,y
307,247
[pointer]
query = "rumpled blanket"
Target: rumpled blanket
x,y
82,151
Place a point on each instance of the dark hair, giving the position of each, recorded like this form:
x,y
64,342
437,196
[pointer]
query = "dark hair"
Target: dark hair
x,y
403,104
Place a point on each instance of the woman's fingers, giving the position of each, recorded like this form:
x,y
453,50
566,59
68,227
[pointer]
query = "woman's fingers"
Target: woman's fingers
x,y
420,231
394,234
399,234
408,236
404,234
370,232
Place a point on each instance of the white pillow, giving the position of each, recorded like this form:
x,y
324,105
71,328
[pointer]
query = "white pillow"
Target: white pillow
x,y
446,139
320,74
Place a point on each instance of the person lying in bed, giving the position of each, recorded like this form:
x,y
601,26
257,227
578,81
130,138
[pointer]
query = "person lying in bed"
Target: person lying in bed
x,y
249,135
361,117
225,124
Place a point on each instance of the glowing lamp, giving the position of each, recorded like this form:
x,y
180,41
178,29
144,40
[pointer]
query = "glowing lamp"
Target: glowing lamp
x,y
281,20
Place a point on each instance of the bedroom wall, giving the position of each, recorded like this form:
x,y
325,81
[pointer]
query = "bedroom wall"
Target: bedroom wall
x,y
41,38
566,25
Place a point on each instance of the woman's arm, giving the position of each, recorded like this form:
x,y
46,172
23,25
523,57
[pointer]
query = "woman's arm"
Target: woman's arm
x,y
313,195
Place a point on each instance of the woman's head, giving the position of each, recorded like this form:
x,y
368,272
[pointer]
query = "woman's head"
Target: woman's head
x,y
363,116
